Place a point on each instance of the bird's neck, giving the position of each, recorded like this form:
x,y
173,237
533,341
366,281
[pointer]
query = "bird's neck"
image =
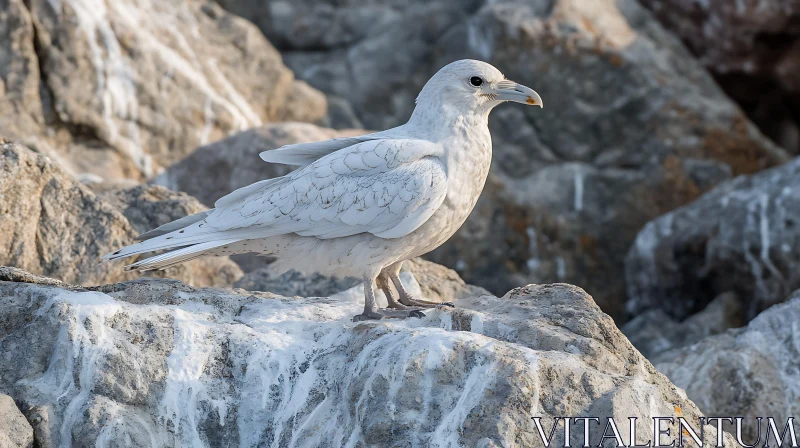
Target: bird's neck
x,y
441,122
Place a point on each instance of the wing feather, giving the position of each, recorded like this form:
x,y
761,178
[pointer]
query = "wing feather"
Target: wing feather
x,y
385,187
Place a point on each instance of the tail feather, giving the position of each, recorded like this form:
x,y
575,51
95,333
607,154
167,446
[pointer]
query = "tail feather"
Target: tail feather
x,y
177,256
174,225
187,236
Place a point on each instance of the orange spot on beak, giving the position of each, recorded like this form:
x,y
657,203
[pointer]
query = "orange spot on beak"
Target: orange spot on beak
x,y
532,101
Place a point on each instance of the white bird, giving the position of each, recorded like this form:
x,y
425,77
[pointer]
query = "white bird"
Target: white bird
x,y
359,206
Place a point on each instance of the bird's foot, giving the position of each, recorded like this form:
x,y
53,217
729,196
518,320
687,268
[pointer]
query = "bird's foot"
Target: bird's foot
x,y
397,306
388,314
410,301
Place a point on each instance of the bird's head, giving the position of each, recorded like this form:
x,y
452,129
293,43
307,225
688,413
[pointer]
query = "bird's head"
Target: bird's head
x,y
473,85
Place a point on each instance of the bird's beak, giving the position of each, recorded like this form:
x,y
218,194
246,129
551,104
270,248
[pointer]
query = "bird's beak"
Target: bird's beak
x,y
510,91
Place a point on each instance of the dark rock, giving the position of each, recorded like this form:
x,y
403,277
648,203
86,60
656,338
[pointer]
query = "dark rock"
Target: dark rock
x,y
753,49
654,332
739,237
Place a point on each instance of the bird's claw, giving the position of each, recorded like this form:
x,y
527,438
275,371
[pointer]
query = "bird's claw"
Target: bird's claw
x,y
387,313
367,316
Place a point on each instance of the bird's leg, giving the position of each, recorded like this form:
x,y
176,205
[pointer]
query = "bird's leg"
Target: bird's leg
x,y
383,283
406,298
371,311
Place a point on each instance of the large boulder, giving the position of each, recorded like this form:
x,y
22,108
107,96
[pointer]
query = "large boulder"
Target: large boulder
x,y
748,372
632,127
118,89
753,49
155,362
15,431
740,237
653,332
54,225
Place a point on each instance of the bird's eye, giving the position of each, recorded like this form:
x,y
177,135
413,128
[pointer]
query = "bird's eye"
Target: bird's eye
x,y
476,81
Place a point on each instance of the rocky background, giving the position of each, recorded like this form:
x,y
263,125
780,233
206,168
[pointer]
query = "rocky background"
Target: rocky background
x,y
661,178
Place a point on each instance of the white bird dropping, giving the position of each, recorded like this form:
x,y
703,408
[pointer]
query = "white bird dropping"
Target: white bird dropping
x,y
359,206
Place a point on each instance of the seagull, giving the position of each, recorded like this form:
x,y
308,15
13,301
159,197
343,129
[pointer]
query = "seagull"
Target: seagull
x,y
359,206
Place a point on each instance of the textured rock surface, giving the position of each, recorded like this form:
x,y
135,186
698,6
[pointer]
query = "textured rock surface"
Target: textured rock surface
x,y
52,224
214,170
149,206
55,226
119,88
740,237
15,431
749,372
632,128
159,363
435,282
293,283
753,48
654,332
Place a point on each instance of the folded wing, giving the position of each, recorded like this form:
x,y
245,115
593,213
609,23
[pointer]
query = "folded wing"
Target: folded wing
x,y
387,188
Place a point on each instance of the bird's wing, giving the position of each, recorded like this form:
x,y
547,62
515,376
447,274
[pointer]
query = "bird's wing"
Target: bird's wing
x,y
384,187
388,188
303,154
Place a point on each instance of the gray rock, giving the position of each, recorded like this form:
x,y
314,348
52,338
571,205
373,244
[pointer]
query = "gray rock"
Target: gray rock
x,y
55,226
654,332
632,128
436,282
753,48
749,372
52,224
439,283
739,237
158,362
149,206
293,283
120,90
15,431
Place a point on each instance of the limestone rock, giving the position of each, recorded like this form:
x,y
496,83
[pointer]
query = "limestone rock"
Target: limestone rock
x,y
120,89
739,237
156,361
15,431
654,332
632,128
439,283
749,372
55,226
52,224
149,206
293,283
435,282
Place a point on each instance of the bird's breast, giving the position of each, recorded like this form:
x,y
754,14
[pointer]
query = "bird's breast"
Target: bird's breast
x,y
468,167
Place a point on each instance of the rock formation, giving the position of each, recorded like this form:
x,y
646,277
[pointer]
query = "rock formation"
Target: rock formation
x,y
119,89
748,372
740,237
753,49
54,225
156,362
